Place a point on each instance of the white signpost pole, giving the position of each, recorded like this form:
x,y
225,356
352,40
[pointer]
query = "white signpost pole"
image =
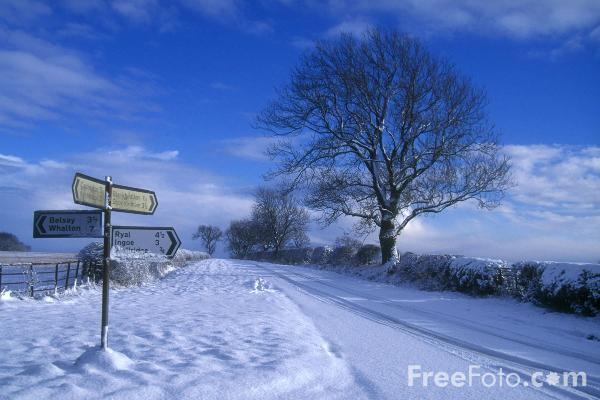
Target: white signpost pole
x,y
106,262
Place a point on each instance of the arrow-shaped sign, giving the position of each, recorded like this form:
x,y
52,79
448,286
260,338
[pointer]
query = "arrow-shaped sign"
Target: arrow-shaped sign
x,y
146,239
67,223
90,192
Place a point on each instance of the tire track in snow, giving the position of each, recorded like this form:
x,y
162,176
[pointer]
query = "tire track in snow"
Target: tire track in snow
x,y
455,320
492,359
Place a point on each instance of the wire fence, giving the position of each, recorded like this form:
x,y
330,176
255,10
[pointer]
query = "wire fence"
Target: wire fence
x,y
33,279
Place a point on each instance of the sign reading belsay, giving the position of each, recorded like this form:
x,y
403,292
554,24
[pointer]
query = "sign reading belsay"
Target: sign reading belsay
x,y
108,197
90,192
67,224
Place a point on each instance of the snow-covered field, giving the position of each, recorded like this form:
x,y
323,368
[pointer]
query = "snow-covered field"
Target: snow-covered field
x,y
245,330
15,257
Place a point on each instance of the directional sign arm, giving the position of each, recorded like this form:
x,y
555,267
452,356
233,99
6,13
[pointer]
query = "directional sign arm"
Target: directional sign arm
x,y
67,224
146,239
90,191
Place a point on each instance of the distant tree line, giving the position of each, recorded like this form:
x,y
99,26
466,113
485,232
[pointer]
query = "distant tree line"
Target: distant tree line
x,y
276,231
277,221
9,242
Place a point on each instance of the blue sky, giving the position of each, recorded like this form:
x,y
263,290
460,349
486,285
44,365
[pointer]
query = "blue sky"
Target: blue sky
x,y
162,95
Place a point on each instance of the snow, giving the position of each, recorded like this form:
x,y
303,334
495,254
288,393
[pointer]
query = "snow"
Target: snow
x,y
563,273
482,265
206,331
400,325
5,295
227,329
94,359
23,257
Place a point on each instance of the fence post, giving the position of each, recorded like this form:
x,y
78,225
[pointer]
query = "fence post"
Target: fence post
x,y
31,280
76,274
56,278
67,279
0,278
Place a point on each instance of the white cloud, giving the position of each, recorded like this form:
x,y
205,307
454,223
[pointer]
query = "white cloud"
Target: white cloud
x,y
139,152
23,12
139,11
553,213
11,161
563,178
187,195
248,147
218,85
230,13
515,18
44,81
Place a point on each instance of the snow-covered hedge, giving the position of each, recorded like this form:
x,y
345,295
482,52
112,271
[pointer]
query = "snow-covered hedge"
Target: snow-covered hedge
x,y
284,256
129,268
569,287
342,255
325,255
476,276
93,253
321,255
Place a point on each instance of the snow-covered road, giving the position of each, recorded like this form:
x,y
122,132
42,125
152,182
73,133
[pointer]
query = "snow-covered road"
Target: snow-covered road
x,y
381,329
243,330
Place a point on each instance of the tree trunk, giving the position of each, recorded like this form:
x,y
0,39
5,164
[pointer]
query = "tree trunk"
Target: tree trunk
x,y
387,241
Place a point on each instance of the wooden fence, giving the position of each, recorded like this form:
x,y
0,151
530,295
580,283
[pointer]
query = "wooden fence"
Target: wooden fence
x,y
42,278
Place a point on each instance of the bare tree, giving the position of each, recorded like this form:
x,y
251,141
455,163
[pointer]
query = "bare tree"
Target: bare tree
x,y
209,235
380,129
280,219
347,240
242,236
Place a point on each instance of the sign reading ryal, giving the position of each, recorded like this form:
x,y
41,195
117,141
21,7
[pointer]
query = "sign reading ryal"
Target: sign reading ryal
x,y
156,240
91,191
108,197
67,224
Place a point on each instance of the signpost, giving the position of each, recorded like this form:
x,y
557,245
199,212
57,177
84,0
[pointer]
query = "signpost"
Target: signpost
x,y
107,197
156,240
108,187
67,224
90,192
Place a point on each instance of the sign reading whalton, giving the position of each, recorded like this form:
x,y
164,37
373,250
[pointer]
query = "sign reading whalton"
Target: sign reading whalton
x,y
90,191
67,224
108,197
145,239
